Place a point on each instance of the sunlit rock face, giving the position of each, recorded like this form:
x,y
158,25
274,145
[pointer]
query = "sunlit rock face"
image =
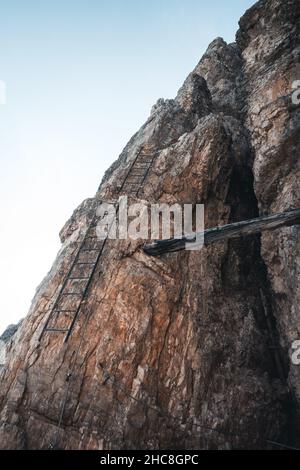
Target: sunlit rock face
x,y
189,350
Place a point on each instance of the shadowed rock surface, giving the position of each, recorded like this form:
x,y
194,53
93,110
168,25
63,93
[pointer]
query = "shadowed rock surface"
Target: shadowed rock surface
x,y
189,350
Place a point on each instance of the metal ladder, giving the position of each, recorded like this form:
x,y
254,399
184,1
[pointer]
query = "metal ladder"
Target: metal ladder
x,y
137,173
74,290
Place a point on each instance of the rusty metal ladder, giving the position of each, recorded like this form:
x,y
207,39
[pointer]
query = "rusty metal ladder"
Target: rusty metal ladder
x,y
74,290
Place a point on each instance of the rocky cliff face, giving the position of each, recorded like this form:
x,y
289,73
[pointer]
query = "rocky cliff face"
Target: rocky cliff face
x,y
5,339
189,350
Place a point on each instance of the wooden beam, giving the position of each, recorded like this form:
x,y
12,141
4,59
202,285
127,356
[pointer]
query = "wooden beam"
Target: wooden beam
x,y
226,232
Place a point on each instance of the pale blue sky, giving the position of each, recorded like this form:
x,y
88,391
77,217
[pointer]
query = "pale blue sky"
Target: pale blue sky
x,y
81,78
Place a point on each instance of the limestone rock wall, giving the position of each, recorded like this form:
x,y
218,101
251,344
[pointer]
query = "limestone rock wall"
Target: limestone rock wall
x,y
190,350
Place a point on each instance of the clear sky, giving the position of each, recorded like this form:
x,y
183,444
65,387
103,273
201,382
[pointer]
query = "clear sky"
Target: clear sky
x,y
81,77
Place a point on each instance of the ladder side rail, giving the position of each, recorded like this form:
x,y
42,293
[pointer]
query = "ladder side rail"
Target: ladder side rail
x,y
88,283
65,281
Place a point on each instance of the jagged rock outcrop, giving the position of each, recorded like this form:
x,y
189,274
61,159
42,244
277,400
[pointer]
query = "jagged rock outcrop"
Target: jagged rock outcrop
x,y
190,350
5,338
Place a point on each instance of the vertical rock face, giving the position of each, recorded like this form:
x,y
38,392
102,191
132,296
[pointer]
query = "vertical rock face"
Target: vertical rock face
x,y
271,51
190,350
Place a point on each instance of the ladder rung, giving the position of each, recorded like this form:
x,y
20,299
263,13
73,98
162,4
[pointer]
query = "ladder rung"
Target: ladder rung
x,y
77,278
133,184
71,293
134,179
64,311
80,263
60,330
145,168
91,246
89,249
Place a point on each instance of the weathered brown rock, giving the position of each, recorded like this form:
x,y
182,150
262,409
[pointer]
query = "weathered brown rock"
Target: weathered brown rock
x,y
271,52
190,350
